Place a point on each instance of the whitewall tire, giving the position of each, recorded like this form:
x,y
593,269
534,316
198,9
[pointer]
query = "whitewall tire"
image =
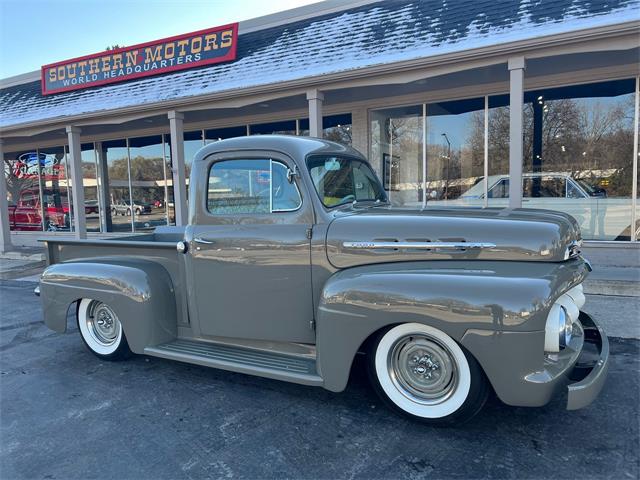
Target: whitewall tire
x,y
101,330
422,372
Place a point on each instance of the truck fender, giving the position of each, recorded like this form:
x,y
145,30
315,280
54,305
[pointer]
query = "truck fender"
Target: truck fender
x,y
139,291
357,302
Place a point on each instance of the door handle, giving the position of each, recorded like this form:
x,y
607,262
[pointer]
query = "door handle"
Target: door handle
x,y
203,241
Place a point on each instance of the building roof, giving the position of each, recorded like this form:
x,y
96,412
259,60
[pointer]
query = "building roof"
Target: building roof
x,y
367,35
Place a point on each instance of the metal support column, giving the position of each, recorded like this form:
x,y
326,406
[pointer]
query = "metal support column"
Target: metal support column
x,y
176,120
104,199
315,99
77,187
516,104
5,227
634,188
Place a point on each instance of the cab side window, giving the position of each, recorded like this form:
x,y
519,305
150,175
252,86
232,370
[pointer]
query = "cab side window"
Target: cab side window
x,y
573,191
250,186
500,189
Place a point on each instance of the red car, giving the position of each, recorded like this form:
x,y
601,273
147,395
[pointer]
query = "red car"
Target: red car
x,y
27,214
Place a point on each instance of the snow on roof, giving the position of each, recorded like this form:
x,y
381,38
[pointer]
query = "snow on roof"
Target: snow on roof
x,y
373,34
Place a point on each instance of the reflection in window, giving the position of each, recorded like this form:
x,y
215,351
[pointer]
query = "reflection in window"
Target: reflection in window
x,y
455,148
287,127
56,193
251,187
117,180
336,128
149,183
193,141
397,143
579,137
94,210
23,190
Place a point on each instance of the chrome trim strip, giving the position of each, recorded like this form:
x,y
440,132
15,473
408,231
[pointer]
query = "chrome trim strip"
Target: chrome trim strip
x,y
418,245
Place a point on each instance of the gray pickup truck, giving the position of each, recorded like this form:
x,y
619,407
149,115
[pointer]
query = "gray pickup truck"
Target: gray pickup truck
x,y
293,262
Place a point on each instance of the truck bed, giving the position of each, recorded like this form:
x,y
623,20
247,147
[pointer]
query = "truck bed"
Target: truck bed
x,y
159,247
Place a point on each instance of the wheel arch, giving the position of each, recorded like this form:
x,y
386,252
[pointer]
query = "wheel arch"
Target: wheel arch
x,y
139,291
357,303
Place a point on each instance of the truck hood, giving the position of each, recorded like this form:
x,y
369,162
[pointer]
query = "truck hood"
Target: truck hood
x,y
362,236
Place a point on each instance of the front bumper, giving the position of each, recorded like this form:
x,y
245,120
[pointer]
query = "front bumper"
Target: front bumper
x,y
590,371
577,373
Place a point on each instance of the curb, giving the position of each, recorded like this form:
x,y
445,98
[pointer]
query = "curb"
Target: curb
x,y
17,255
612,287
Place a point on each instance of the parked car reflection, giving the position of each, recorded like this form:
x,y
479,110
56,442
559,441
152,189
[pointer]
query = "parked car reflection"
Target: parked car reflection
x,y
600,216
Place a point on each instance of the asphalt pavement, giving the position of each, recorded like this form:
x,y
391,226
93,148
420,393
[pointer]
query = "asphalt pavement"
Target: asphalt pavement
x,y
65,415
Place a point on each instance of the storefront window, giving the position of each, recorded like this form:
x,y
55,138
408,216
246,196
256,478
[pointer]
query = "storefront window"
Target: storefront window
x,y
117,180
336,128
455,149
94,210
23,190
56,191
579,155
397,143
193,141
577,148
149,183
217,134
170,198
287,127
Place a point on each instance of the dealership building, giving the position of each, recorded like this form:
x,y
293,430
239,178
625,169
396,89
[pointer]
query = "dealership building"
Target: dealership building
x,y
485,104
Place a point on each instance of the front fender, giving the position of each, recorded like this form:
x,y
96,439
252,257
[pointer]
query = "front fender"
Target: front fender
x,y
139,291
451,296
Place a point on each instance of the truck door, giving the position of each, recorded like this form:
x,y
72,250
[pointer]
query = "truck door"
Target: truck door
x,y
249,250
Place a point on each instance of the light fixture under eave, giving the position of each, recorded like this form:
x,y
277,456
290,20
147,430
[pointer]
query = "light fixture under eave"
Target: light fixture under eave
x,y
263,105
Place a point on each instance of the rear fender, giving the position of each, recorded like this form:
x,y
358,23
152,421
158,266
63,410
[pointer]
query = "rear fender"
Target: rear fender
x,y
490,296
139,291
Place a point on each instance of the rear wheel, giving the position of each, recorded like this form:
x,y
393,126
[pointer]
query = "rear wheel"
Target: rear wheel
x,y
423,373
101,330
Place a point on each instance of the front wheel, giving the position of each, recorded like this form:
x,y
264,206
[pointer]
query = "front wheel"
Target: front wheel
x,y
101,330
423,373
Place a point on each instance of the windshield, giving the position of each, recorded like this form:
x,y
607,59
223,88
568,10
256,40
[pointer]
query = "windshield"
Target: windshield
x,y
341,180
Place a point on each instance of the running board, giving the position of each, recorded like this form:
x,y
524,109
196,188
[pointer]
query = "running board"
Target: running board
x,y
237,359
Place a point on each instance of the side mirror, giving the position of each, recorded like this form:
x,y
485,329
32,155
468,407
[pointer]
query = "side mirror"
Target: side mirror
x,y
292,173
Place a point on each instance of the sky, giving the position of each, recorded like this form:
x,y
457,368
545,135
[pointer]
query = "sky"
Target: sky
x,y
37,32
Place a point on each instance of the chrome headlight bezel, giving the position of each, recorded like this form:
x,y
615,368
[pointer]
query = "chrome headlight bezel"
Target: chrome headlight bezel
x,y
566,329
562,315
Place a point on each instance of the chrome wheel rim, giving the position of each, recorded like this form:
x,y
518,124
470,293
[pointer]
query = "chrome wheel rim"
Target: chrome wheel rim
x,y
103,324
422,369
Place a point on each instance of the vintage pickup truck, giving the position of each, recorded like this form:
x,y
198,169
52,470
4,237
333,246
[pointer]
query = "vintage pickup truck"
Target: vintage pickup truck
x,y
293,262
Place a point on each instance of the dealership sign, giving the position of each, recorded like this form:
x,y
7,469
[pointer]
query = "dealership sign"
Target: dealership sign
x,y
214,45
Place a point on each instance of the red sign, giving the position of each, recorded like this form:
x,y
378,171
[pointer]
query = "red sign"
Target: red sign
x,y
205,47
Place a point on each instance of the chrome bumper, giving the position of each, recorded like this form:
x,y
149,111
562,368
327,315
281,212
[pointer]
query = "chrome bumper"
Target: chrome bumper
x,y
36,291
590,371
